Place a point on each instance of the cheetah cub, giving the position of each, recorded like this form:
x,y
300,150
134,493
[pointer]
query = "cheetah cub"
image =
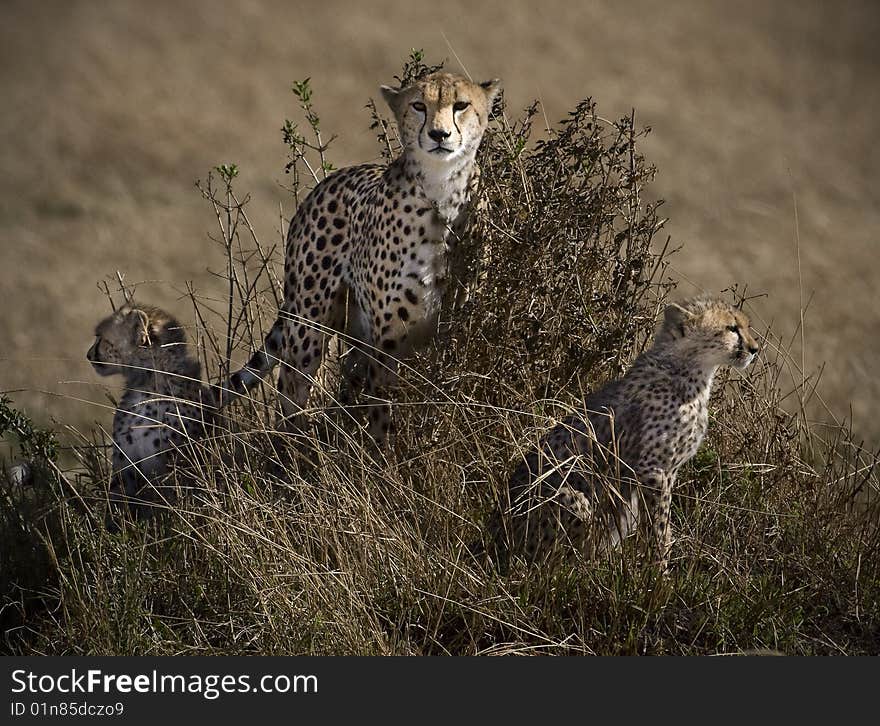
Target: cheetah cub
x,y
372,245
161,407
597,476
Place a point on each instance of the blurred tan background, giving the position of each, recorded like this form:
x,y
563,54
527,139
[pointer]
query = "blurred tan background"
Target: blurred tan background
x,y
111,110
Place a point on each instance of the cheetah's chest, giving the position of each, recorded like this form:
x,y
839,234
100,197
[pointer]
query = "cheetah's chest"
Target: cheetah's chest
x,y
402,256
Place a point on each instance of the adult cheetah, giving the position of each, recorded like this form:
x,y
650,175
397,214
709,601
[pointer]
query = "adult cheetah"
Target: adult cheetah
x,y
161,408
597,476
372,245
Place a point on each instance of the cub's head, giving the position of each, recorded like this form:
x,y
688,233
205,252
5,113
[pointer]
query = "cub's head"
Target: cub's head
x,y
129,341
443,116
708,331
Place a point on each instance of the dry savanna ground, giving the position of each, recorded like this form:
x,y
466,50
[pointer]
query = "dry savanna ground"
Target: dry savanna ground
x,y
763,118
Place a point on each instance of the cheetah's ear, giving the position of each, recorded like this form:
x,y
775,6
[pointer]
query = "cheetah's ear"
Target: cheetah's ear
x,y
675,318
142,329
492,89
391,96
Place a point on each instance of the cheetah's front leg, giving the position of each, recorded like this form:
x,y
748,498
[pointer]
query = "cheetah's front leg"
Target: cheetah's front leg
x,y
381,375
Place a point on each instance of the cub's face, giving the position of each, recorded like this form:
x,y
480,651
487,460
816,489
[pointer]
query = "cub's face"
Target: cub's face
x,y
117,340
104,356
442,117
135,339
713,331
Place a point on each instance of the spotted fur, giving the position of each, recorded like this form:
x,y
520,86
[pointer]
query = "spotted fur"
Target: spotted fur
x,y
371,245
161,406
599,475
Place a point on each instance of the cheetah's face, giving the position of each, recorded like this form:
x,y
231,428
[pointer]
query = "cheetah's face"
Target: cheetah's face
x,y
442,117
712,331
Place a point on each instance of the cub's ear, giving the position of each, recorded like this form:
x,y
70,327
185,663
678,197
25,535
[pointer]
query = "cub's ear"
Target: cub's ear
x,y
492,89
391,96
141,328
675,317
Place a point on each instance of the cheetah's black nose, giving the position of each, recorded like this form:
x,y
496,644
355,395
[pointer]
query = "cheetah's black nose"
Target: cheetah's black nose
x,y
753,349
439,135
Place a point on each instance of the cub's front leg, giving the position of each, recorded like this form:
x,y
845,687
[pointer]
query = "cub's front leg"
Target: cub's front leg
x,y
656,488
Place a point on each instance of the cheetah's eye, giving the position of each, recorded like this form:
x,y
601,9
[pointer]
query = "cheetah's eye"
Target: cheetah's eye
x,y
733,329
460,105
419,106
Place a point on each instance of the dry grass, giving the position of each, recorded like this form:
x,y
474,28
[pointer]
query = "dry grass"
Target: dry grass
x,y
290,544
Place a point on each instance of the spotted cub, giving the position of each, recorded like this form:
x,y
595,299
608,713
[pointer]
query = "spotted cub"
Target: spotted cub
x,y
161,407
600,474
372,245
